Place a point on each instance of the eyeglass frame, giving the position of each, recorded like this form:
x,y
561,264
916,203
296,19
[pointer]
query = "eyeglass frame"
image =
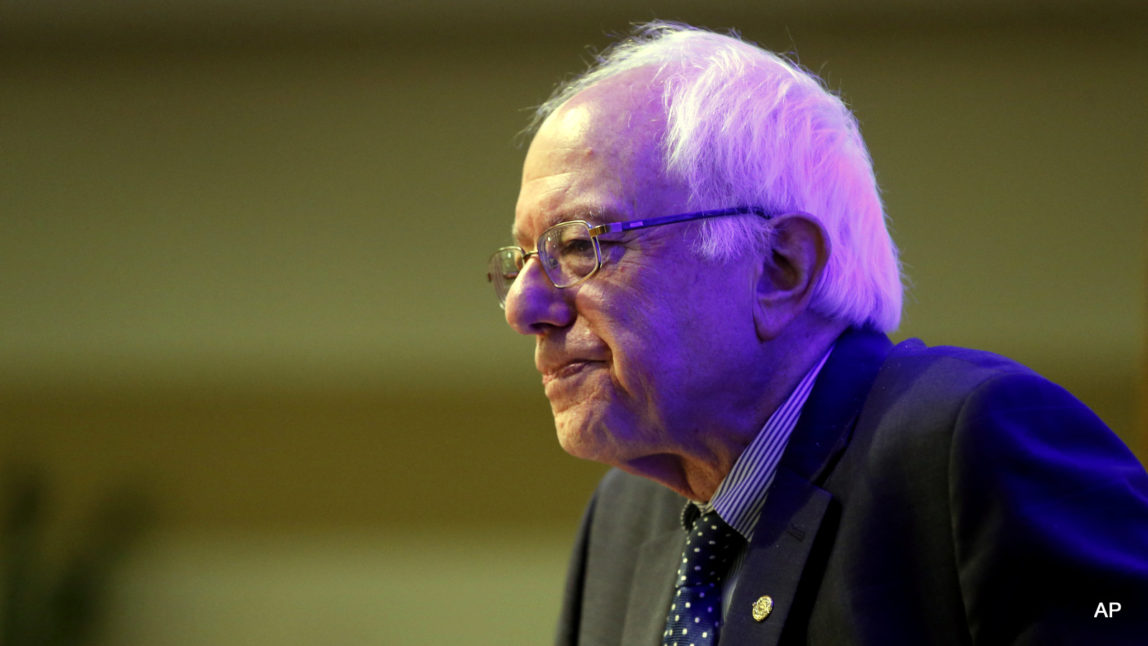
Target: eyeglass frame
x,y
615,227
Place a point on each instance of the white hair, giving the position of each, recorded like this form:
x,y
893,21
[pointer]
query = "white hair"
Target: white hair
x,y
747,128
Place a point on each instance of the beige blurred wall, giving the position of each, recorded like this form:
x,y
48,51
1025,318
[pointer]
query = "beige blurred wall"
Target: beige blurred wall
x,y
242,282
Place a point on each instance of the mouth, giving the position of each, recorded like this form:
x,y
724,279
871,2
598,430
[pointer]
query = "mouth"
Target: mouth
x,y
566,371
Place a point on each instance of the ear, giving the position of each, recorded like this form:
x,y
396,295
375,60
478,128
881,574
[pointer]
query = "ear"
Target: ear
x,y
790,269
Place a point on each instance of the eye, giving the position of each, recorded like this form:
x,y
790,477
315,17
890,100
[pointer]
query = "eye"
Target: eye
x,y
577,246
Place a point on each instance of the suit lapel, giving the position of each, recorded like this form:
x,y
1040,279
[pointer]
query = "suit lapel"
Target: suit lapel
x,y
776,558
653,586
793,512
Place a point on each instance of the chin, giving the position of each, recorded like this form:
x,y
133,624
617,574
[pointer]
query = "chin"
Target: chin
x,y
575,441
580,438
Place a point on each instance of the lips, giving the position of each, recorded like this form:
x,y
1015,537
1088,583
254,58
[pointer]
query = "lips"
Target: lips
x,y
566,370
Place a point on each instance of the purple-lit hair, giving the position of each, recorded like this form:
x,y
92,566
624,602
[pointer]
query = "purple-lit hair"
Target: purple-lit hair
x,y
746,127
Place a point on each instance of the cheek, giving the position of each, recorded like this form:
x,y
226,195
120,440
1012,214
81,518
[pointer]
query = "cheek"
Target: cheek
x,y
648,365
652,328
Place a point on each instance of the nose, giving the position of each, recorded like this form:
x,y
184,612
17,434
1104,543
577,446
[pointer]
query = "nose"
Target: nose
x,y
534,304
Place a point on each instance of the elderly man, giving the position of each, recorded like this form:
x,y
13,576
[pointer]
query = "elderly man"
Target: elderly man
x,y
703,261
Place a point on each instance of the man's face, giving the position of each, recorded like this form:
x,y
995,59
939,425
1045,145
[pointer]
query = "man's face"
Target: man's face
x,y
637,361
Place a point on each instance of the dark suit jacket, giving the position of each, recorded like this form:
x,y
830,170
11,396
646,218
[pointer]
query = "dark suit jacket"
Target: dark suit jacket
x,y
927,496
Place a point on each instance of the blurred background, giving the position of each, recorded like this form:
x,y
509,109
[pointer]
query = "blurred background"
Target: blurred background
x,y
254,388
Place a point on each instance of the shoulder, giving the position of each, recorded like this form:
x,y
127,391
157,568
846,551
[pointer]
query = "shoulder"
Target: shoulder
x,y
947,418
946,368
1039,493
997,441
950,387
978,404
1001,485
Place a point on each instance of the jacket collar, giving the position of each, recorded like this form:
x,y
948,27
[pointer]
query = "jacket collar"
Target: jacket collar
x,y
828,415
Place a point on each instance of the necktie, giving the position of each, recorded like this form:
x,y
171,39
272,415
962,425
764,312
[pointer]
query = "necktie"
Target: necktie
x,y
695,612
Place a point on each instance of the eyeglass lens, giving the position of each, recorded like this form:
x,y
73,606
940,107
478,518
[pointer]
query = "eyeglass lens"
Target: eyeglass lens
x,y
567,251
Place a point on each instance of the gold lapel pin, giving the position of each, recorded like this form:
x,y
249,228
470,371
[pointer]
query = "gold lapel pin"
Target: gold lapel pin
x,y
762,607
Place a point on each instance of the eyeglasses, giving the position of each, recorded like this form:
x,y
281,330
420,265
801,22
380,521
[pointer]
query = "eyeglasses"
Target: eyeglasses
x,y
570,253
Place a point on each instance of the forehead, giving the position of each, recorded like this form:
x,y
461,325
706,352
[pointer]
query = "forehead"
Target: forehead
x,y
598,157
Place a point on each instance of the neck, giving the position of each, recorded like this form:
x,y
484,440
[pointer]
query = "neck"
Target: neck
x,y
696,471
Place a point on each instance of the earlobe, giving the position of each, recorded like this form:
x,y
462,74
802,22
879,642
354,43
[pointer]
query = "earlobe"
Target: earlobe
x,y
789,271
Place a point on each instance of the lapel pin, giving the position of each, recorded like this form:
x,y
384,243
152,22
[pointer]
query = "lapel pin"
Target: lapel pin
x,y
762,607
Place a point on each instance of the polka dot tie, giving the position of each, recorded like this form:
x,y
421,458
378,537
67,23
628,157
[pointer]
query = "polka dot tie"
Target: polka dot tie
x,y
695,612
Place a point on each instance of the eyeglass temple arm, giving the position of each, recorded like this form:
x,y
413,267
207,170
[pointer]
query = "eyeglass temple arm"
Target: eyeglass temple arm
x,y
617,227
